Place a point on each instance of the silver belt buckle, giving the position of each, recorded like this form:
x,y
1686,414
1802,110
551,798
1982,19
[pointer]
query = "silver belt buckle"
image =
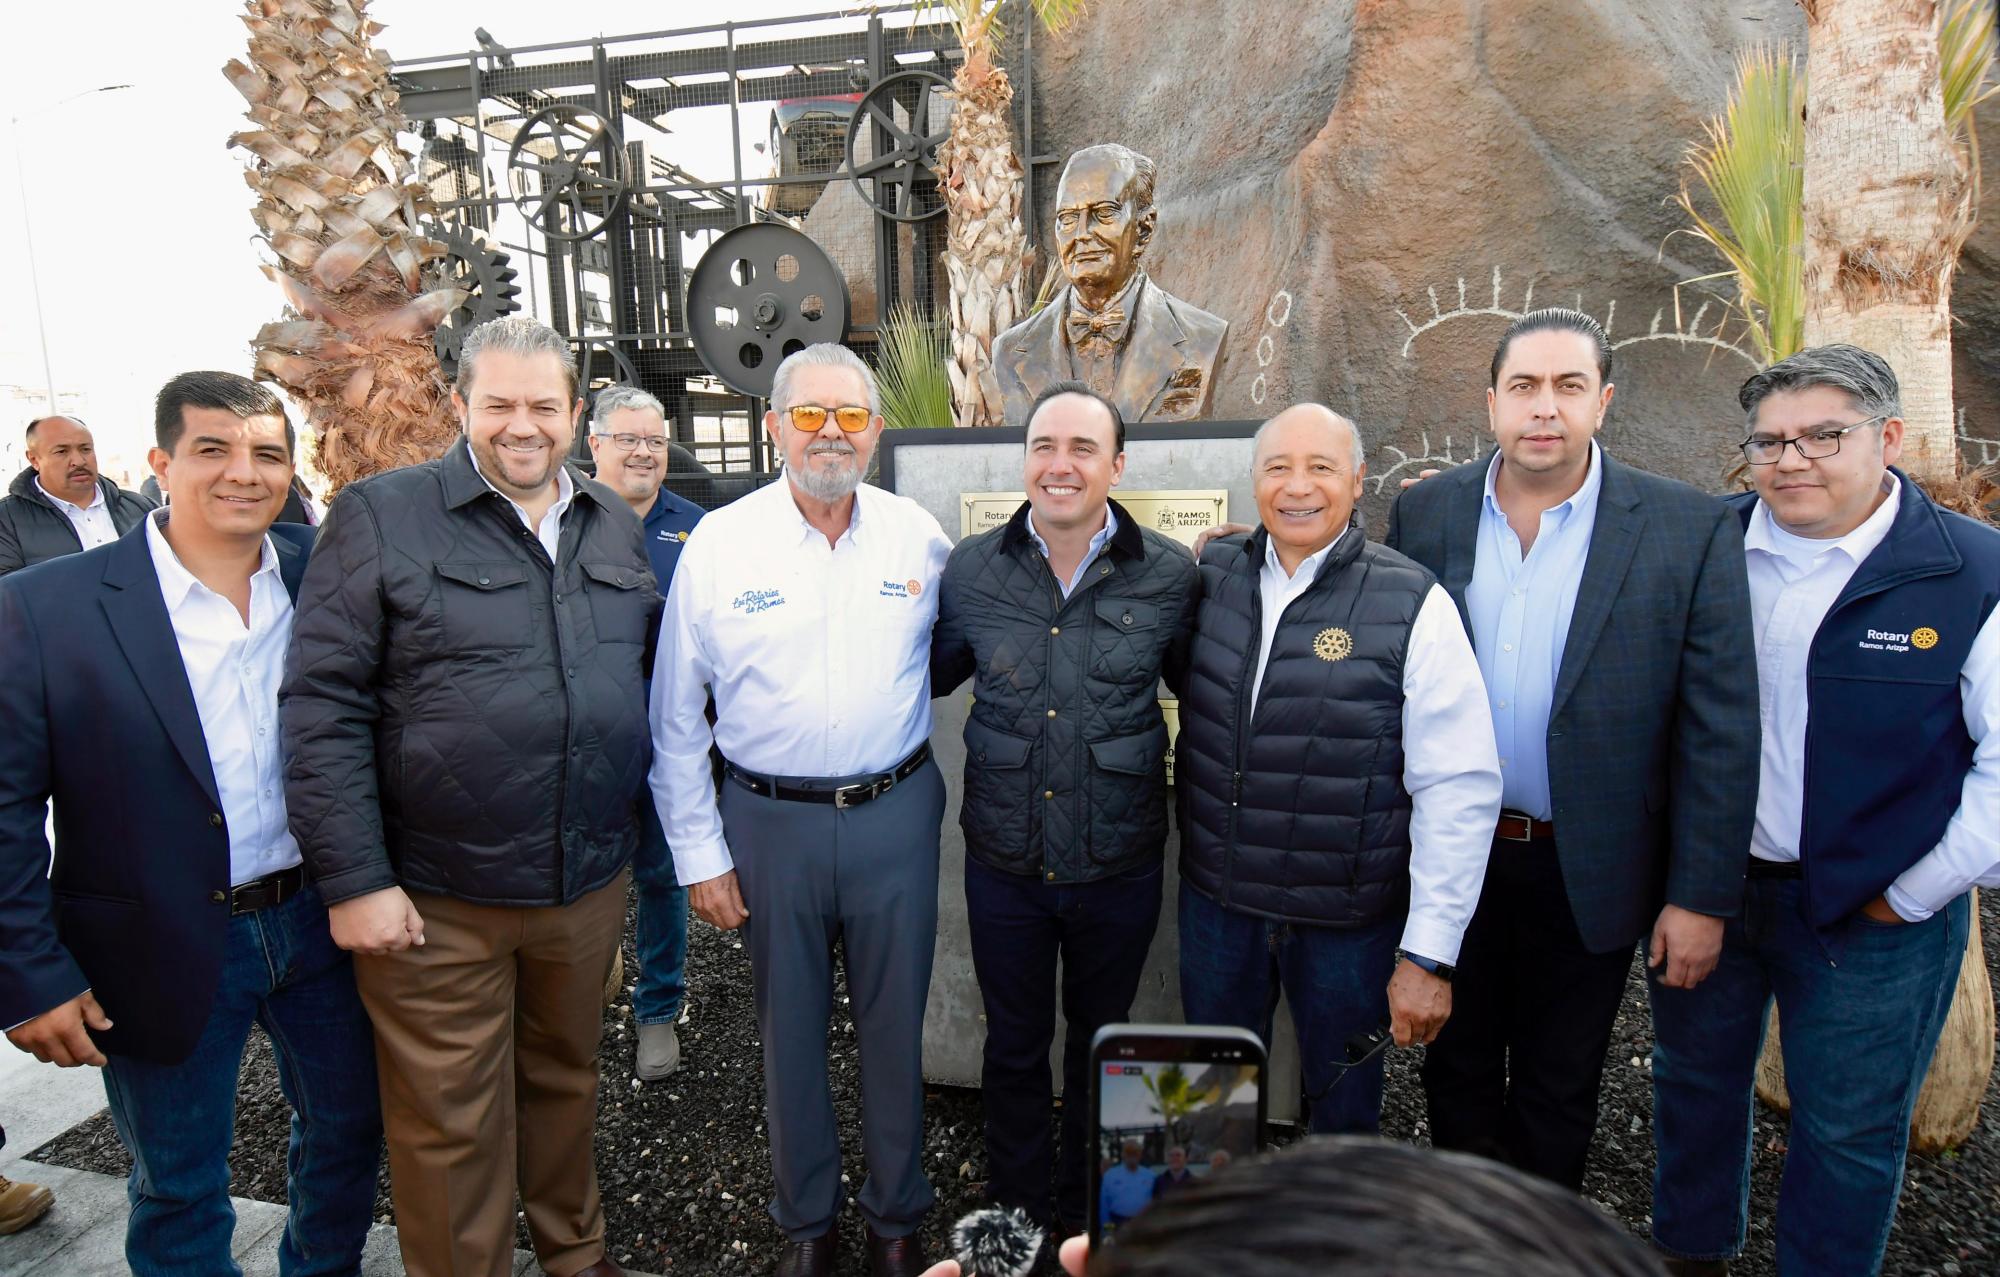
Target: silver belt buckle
x,y
1527,827
842,797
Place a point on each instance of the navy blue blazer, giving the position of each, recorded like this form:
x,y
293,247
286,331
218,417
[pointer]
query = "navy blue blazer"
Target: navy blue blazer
x,y
1653,735
98,720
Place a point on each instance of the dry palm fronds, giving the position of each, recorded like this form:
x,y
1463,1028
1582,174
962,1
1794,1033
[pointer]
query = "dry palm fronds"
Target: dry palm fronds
x,y
337,204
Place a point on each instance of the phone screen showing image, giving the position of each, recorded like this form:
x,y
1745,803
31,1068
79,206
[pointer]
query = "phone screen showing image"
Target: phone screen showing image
x,y
1172,1106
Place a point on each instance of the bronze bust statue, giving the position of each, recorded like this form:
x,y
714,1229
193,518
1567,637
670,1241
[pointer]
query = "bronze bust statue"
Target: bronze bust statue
x,y
1110,327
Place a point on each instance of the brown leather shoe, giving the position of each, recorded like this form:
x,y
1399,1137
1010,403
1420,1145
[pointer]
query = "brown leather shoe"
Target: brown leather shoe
x,y
812,1257
22,1204
895,1256
602,1268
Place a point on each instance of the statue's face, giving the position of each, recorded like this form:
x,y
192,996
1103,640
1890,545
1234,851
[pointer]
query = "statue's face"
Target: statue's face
x,y
1100,232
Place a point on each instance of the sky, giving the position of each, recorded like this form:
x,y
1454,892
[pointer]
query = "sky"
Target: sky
x,y
138,208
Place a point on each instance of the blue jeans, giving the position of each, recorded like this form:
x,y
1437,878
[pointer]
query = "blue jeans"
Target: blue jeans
x,y
1335,979
1857,1036
280,969
663,926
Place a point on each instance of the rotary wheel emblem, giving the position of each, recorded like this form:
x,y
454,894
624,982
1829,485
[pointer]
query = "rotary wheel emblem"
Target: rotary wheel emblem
x,y
1924,639
1333,644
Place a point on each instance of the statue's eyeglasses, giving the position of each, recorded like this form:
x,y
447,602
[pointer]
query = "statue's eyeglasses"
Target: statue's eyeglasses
x,y
1102,211
811,418
1813,445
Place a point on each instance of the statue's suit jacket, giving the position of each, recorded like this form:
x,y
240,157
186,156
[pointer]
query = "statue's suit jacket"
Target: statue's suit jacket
x,y
1034,355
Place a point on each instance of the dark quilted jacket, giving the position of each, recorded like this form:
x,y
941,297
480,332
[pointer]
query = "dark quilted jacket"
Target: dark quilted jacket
x,y
458,719
1298,812
33,530
1065,774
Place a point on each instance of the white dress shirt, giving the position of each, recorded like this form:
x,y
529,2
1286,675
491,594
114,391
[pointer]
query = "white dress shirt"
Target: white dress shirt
x,y
818,655
1451,768
1095,548
234,671
1794,582
549,530
92,522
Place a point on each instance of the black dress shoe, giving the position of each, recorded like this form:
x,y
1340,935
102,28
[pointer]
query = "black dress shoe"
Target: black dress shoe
x,y
895,1256
812,1257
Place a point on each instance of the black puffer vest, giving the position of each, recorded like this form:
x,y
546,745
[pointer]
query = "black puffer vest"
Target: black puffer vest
x,y
1297,811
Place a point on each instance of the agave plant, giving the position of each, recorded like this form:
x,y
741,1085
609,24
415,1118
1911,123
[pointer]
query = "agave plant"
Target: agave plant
x,y
910,371
338,208
979,173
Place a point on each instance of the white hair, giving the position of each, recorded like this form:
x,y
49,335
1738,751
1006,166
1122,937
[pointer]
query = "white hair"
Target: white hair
x,y
1360,450
824,354
617,399
519,335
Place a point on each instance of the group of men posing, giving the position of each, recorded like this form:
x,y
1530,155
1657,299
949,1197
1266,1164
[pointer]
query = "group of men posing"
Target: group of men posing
x,y
1442,784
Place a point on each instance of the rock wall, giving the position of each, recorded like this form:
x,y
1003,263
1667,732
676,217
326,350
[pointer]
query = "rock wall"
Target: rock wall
x,y
1358,186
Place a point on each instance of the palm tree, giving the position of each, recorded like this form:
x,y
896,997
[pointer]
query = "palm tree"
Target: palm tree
x,y
1175,1097
337,206
979,172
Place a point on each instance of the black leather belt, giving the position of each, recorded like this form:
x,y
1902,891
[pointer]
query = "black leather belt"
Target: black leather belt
x,y
271,889
842,797
1517,826
1762,868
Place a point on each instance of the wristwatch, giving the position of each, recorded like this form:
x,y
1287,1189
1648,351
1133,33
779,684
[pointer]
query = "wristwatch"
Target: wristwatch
x,y
1442,970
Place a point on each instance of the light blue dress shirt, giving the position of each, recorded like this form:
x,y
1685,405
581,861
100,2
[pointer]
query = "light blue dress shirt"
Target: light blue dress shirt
x,y
1097,544
1124,1193
1520,609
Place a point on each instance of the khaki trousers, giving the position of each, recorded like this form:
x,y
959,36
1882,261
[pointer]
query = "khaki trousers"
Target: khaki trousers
x,y
486,1042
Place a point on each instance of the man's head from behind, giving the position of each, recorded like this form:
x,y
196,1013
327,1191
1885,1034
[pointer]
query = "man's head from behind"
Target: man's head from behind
x,y
824,419
64,458
223,453
1367,1208
1835,416
517,402
628,440
1075,452
1104,215
1307,469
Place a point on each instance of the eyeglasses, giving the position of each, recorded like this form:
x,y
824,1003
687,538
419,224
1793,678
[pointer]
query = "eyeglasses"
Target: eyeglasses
x,y
1811,446
811,418
625,443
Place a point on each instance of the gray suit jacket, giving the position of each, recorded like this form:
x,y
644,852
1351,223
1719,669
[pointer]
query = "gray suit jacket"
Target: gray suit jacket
x,y
1653,741
1034,355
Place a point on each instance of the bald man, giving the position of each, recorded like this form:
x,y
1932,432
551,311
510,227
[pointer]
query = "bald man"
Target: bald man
x,y
60,505
1339,775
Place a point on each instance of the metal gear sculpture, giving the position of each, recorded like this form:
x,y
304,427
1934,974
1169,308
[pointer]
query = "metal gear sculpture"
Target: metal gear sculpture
x,y
762,292
900,183
568,171
489,281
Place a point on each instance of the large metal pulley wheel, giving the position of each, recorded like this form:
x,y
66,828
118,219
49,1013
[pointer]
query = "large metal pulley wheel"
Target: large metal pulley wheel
x,y
762,292
908,117
568,171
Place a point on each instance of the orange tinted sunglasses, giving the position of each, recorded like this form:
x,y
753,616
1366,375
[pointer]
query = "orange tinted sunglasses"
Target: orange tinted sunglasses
x,y
811,418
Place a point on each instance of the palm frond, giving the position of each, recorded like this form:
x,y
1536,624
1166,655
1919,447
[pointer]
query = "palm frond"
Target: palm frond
x,y
910,371
1965,57
978,25
1750,172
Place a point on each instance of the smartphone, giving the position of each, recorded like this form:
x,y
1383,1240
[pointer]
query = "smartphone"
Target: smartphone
x,y
1170,1105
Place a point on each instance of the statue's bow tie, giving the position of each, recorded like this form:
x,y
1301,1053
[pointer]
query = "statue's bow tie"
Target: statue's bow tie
x,y
1084,326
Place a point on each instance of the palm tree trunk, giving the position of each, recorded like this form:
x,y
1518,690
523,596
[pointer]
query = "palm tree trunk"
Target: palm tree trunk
x,y
338,208
984,243
1887,205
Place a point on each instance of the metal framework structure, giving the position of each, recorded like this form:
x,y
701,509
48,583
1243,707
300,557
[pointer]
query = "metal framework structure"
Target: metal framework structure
x,y
570,181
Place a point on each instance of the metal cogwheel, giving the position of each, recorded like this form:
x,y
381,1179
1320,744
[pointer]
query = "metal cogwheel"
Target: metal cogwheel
x,y
490,283
759,293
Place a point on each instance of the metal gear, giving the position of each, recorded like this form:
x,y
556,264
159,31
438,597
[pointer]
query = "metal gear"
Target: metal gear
x,y
488,279
900,182
759,293
568,171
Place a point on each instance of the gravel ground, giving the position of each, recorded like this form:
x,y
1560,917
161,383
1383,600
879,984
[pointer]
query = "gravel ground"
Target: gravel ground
x,y
685,1175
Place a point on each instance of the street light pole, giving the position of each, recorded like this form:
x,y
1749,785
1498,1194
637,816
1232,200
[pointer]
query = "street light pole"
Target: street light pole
x,y
28,236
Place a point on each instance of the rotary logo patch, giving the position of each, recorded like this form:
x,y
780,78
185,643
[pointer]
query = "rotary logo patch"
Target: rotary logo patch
x,y
1923,638
1333,644
914,586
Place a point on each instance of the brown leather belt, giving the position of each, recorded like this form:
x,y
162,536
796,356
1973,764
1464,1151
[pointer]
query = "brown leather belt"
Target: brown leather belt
x,y
842,797
271,889
1516,826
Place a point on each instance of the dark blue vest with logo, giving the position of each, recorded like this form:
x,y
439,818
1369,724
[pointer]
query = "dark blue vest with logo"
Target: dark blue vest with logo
x,y
1886,747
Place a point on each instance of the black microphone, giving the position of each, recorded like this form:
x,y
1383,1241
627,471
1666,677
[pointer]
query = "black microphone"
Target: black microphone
x,y
996,1243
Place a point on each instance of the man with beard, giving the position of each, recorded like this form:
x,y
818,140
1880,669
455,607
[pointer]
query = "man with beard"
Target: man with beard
x,y
59,504
628,440
806,609
465,713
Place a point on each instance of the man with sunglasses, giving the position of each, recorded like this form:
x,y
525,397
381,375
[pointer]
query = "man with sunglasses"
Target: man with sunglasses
x,y
1877,623
628,441
805,610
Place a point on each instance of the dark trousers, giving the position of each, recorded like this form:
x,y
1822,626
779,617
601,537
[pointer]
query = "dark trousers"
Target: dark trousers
x,y
1514,1074
1020,926
866,878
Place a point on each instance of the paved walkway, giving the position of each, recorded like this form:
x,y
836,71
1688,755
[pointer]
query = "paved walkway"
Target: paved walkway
x,y
83,1235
